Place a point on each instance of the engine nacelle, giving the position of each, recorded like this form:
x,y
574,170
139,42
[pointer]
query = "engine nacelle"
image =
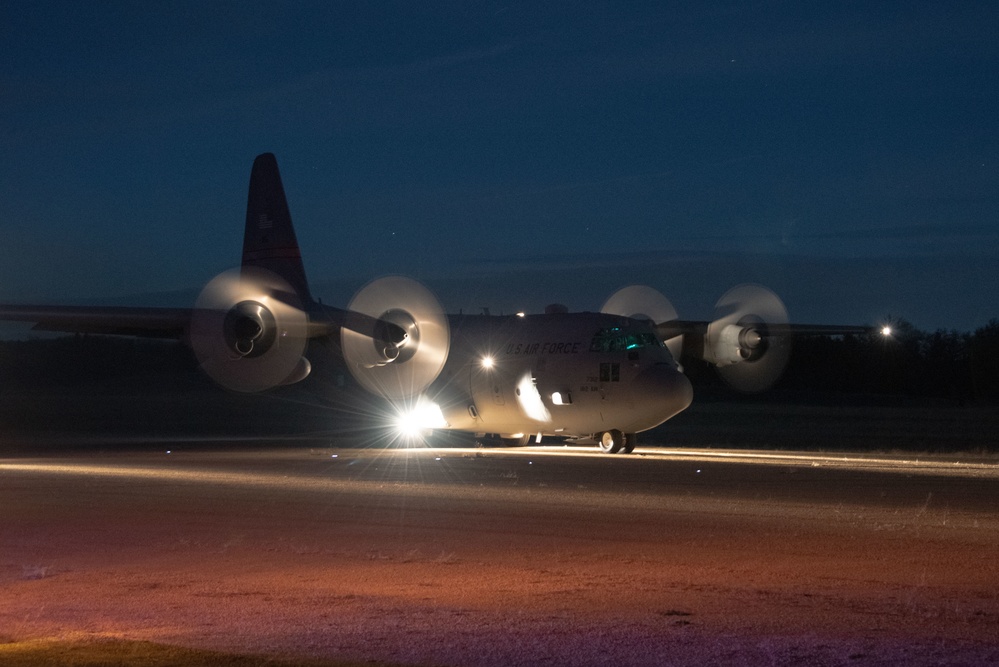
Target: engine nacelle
x,y
737,343
301,371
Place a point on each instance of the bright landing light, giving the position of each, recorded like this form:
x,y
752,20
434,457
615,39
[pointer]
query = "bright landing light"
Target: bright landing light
x,y
886,331
412,423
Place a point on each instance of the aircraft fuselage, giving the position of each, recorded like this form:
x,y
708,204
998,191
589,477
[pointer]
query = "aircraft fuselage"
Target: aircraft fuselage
x,y
567,374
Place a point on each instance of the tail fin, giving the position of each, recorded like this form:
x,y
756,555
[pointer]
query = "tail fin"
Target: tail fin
x,y
269,240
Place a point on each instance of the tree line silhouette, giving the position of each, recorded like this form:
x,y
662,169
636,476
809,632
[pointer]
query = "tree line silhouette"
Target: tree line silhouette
x,y
942,364
958,366
962,367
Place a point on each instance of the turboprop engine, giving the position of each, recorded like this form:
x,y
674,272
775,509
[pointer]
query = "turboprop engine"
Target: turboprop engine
x,y
741,341
248,331
397,339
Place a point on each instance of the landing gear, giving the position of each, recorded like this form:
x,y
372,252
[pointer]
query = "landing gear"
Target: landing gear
x,y
611,441
614,441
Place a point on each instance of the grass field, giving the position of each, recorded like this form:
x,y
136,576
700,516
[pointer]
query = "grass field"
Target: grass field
x,y
84,652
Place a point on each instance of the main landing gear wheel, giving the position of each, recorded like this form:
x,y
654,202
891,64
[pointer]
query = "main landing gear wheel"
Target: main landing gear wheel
x,y
630,440
611,441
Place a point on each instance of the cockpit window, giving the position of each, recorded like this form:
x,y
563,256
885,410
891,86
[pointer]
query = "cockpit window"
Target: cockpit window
x,y
615,339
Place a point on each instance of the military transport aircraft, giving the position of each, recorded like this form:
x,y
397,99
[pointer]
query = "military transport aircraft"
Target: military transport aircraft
x,y
588,377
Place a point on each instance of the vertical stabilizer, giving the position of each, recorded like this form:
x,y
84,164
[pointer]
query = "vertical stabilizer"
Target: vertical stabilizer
x,y
269,240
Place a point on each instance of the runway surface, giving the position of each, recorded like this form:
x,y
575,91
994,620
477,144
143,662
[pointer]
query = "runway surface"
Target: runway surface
x,y
504,557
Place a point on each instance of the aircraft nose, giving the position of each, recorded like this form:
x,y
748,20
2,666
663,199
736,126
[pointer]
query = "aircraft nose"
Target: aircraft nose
x,y
668,384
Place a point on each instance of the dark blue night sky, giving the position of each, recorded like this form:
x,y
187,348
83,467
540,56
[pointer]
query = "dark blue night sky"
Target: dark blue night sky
x,y
512,154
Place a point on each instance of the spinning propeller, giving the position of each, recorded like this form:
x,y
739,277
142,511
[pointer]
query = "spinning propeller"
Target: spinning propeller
x,y
742,341
248,330
396,339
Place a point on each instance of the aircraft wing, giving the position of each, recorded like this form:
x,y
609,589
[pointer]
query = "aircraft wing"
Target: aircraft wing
x,y
120,321
171,322
168,322
673,328
818,329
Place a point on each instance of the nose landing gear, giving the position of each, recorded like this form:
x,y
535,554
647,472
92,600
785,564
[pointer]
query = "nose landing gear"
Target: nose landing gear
x,y
614,441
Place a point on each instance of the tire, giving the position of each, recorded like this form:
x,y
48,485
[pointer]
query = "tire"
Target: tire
x,y
611,441
630,440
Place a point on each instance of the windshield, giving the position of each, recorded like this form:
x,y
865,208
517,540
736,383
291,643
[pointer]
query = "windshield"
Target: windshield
x,y
616,339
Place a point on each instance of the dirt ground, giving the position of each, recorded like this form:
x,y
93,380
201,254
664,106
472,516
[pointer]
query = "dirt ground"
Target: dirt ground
x,y
501,559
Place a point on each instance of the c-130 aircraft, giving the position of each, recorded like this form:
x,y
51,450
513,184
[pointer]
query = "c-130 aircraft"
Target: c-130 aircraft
x,y
596,378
